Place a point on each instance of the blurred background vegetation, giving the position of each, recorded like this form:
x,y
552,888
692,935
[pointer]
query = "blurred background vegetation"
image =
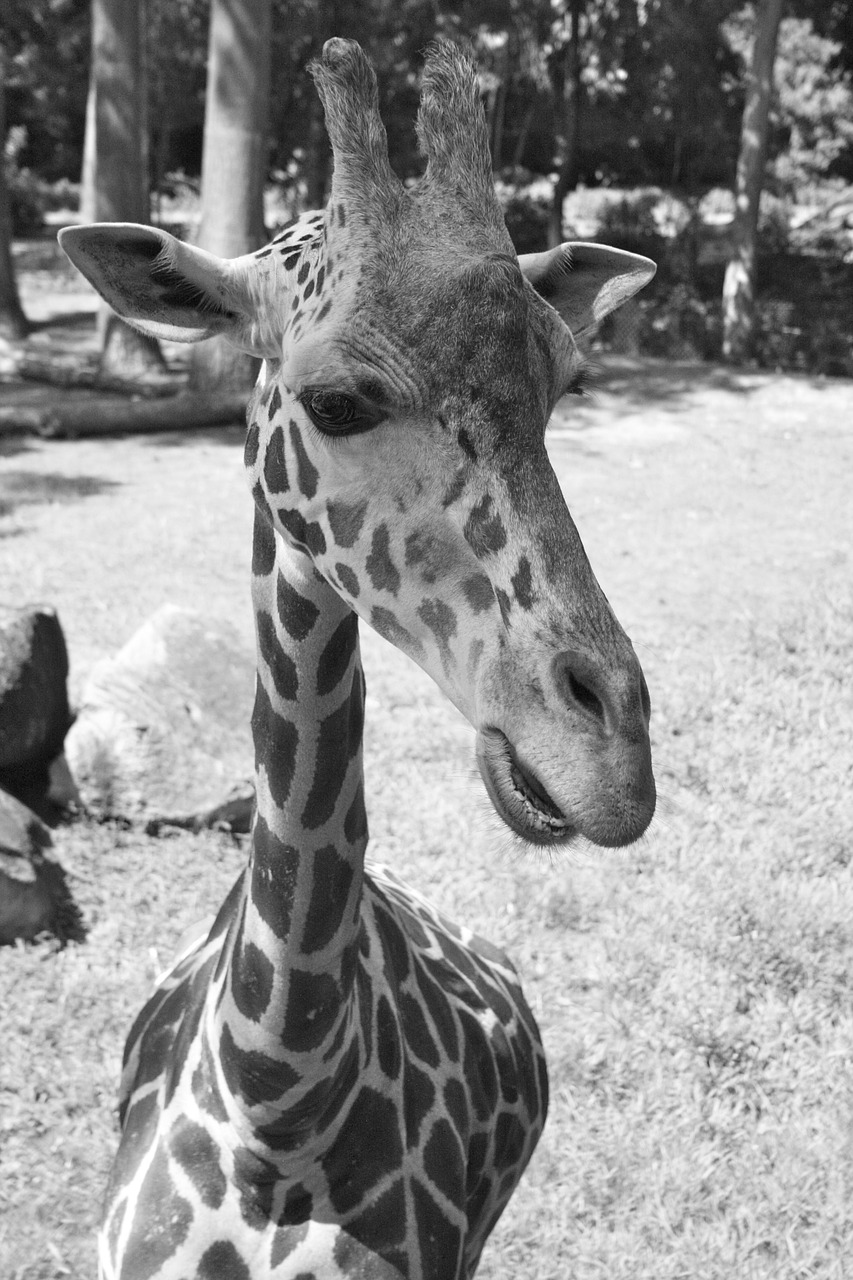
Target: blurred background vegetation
x,y
614,120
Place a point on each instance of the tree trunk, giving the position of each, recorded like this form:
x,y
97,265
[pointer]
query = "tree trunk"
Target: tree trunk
x,y
739,283
115,159
569,92
110,415
234,161
13,322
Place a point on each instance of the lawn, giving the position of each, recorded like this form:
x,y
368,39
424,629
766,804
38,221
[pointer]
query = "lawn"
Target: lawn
x,y
694,991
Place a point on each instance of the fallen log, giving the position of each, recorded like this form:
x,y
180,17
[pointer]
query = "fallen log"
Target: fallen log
x,y
61,372
116,415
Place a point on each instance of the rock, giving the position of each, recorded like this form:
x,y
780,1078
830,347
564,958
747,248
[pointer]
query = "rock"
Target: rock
x,y
162,736
34,713
34,894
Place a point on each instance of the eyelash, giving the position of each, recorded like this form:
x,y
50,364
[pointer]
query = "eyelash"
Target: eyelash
x,y
580,383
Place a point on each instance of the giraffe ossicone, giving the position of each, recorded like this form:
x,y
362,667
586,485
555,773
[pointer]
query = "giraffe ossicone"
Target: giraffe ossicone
x,y
335,1081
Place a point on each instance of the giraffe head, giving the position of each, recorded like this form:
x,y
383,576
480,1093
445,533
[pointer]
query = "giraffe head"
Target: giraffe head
x,y
396,436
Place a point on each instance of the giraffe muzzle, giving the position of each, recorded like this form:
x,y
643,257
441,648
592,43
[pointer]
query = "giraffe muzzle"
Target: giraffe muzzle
x,y
518,796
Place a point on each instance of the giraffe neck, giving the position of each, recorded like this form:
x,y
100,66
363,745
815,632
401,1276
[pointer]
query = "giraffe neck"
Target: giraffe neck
x,y
283,1014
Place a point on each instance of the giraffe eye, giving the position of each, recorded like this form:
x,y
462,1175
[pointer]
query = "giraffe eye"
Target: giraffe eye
x,y
335,413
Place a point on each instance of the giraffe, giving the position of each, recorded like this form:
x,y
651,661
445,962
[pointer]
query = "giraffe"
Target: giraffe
x,y
335,1081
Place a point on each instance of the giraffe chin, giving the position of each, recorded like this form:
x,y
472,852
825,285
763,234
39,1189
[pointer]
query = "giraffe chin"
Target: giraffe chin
x,y
517,795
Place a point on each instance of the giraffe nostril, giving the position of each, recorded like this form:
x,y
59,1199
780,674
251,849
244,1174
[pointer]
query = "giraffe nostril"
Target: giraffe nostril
x,y
581,685
586,698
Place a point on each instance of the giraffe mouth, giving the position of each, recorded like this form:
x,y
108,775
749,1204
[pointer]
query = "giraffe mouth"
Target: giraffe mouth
x,y
517,794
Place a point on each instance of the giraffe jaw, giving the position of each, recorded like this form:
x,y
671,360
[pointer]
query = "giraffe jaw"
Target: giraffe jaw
x,y
517,795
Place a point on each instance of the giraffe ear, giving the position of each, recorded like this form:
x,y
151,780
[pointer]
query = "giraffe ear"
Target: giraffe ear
x,y
584,282
164,287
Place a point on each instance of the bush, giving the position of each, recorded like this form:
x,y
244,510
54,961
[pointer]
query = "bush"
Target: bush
x,y
678,324
526,208
630,224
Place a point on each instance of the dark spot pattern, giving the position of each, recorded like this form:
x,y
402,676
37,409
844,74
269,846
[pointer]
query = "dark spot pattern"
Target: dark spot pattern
x,y
443,1161
504,604
252,1075
252,445
355,822
298,1204
478,592
416,1031
436,1004
275,466
348,579
478,1067
440,619
263,538
280,665
275,745
380,1225
456,1103
306,534
345,521
466,444
149,1247
313,1003
330,769
337,654
455,490
251,980
484,530
274,403
330,889
205,1087
522,584
307,474
388,626
222,1260
382,571
274,875
387,1039
296,613
285,1240
367,1144
418,1099
440,1240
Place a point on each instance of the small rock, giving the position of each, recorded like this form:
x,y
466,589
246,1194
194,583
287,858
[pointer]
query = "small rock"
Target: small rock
x,y
162,736
34,713
34,894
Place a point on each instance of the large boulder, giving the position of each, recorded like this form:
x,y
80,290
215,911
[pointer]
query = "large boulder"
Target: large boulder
x,y
162,736
34,713
34,895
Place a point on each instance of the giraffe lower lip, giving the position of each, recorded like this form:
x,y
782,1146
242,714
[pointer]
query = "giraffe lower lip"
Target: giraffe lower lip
x,y
517,795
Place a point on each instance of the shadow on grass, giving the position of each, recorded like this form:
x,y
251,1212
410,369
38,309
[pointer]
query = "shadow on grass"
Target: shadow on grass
x,y
28,488
643,382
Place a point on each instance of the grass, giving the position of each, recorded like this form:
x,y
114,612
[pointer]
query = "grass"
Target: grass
x,y
694,991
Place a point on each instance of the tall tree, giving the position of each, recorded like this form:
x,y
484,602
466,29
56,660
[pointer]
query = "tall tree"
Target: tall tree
x,y
739,283
568,92
234,162
13,322
115,159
